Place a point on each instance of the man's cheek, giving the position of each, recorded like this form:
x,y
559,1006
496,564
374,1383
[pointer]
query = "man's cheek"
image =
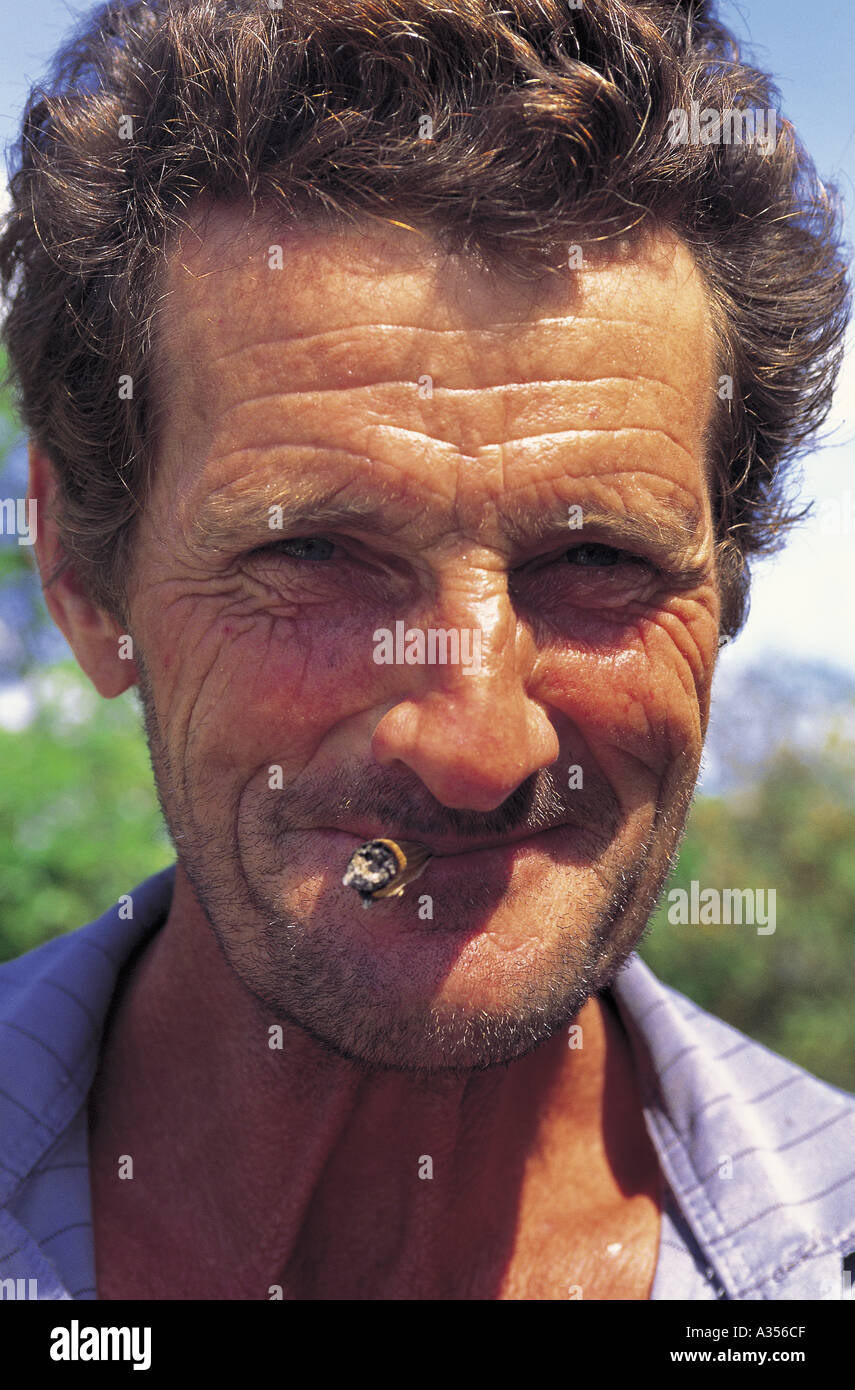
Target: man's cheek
x,y
687,635
260,686
640,704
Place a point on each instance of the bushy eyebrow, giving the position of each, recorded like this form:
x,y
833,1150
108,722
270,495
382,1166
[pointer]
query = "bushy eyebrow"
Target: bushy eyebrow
x,y
671,539
226,522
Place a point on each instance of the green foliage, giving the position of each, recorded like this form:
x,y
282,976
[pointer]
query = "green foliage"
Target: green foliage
x,y
79,820
793,989
8,419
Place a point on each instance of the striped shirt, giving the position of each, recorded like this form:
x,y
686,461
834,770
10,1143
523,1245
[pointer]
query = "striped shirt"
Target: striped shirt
x,y
757,1155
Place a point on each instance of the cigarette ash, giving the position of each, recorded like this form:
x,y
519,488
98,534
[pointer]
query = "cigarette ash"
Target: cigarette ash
x,y
371,867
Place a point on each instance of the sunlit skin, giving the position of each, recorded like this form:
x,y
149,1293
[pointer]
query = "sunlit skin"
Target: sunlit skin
x,y
404,1034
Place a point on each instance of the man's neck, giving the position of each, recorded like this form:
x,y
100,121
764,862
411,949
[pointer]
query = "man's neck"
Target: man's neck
x,y
258,1166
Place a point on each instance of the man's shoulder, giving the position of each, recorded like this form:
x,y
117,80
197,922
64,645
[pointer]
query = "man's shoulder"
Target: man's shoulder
x,y
75,955
759,1153
53,1003
682,1037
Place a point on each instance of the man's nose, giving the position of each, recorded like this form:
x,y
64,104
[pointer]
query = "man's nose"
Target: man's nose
x,y
471,732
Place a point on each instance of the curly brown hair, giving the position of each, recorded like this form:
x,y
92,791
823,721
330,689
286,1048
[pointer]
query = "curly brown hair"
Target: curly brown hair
x,y
551,124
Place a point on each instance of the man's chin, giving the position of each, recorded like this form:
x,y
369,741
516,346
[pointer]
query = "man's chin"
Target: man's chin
x,y
435,1041
479,985
473,1007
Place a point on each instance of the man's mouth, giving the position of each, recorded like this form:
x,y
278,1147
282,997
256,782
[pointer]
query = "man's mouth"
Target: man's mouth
x,y
440,846
383,867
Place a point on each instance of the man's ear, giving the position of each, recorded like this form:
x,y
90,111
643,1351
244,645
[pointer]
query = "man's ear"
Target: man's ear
x,y
103,650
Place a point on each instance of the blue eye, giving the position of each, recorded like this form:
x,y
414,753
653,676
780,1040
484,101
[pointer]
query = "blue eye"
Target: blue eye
x,y
593,555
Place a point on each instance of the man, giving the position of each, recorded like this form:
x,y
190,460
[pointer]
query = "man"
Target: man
x,y
335,328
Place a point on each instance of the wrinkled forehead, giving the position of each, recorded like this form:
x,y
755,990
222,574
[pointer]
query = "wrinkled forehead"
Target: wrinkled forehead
x,y
336,302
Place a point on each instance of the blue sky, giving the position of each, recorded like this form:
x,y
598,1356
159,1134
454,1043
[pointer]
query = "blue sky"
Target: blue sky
x,y
803,601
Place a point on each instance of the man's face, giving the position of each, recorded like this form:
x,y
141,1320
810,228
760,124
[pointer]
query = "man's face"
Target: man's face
x,y
524,465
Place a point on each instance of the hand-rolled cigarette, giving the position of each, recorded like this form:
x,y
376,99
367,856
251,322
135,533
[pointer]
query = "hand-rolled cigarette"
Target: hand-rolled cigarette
x,y
383,868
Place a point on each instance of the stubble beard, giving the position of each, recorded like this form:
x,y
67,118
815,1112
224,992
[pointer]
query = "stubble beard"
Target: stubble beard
x,y
300,977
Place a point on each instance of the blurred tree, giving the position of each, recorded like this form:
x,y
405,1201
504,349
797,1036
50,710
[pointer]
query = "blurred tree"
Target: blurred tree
x,y
79,819
794,832
757,708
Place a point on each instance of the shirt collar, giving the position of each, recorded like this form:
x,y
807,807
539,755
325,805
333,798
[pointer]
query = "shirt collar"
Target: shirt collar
x,y
54,1000
758,1153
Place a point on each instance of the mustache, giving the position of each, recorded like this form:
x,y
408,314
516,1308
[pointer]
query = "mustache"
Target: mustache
x,y
354,793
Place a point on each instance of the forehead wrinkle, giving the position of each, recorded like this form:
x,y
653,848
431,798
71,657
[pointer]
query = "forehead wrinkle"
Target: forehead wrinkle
x,y
430,330
376,430
232,413
337,279
429,357
355,370
261,308
329,316
305,421
575,431
501,388
221,241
